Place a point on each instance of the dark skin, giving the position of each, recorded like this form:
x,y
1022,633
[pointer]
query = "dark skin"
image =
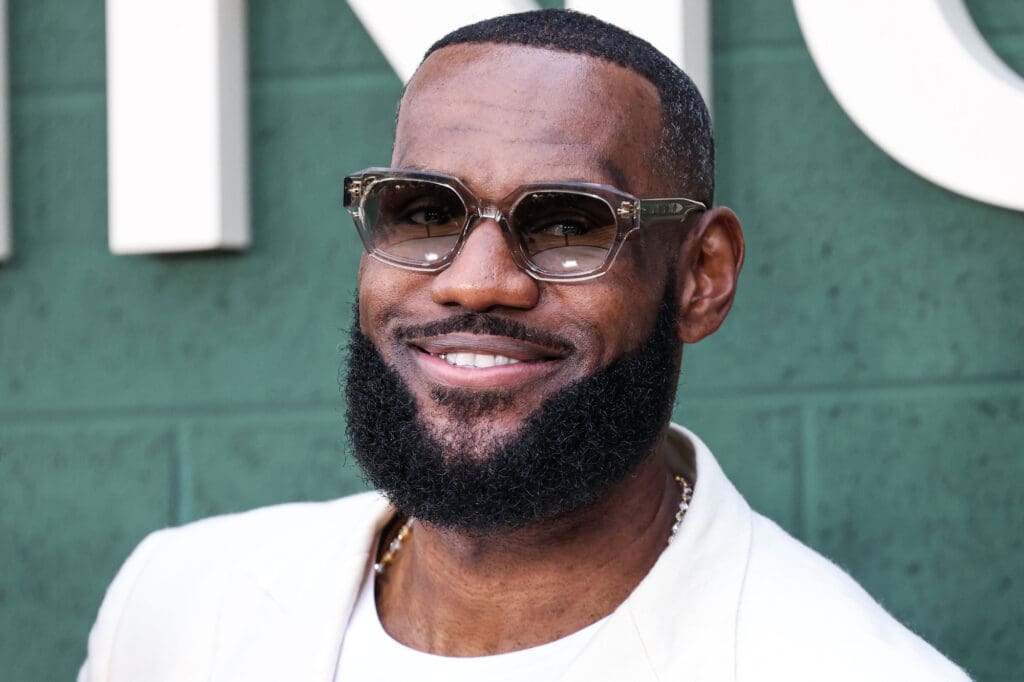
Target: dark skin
x,y
497,117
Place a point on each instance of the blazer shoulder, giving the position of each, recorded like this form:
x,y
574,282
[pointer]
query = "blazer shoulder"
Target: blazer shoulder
x,y
170,588
261,540
250,531
806,619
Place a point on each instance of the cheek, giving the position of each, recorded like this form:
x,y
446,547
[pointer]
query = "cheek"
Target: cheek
x,y
638,289
619,312
383,290
654,253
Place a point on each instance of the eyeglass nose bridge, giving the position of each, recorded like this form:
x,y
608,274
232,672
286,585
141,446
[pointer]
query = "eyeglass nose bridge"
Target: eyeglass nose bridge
x,y
490,211
483,211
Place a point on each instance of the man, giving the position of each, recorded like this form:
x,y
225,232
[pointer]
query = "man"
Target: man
x,y
541,246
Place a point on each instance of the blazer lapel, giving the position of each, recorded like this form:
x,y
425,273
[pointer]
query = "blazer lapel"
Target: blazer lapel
x,y
680,621
293,624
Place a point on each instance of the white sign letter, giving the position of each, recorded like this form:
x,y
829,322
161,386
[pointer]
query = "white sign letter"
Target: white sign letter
x,y
679,28
919,79
405,29
5,142
177,125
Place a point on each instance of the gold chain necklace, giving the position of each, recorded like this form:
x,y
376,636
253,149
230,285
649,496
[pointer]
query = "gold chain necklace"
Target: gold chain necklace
x,y
685,496
393,547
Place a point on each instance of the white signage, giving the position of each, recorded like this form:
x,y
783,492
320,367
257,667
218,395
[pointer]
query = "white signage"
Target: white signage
x,y
177,114
915,75
405,29
681,29
919,79
5,143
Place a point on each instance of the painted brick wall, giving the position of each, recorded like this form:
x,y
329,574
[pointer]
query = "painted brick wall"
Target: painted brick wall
x,y
866,391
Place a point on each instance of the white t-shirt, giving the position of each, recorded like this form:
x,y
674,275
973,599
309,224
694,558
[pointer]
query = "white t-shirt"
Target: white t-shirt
x,y
369,654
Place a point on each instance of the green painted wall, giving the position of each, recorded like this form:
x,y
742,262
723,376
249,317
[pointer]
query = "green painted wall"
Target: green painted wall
x,y
866,391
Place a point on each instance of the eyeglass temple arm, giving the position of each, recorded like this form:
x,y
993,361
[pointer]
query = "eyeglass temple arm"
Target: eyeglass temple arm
x,y
667,208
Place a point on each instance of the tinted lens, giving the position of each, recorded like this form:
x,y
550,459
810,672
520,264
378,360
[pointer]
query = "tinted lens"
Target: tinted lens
x,y
565,232
415,220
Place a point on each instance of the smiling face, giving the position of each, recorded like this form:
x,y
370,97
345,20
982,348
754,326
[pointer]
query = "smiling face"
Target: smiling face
x,y
497,117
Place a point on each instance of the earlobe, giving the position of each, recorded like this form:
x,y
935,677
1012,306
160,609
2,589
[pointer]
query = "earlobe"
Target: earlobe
x,y
710,260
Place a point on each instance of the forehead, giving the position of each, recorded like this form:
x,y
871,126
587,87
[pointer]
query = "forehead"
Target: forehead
x,y
498,116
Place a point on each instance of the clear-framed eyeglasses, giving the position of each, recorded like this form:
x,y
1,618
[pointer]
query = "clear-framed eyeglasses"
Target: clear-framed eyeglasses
x,y
558,231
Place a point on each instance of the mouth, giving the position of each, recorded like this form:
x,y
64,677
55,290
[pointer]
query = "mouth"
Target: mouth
x,y
484,361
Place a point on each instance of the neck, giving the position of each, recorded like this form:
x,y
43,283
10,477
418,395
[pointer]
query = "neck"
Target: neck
x,y
469,594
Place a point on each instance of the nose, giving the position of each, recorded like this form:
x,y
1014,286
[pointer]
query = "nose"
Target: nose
x,y
484,275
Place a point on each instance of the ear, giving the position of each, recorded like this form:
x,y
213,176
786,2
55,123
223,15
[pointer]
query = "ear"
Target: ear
x,y
709,264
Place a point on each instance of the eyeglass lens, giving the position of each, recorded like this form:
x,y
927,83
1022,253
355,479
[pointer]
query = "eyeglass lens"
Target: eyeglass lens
x,y
564,232
561,232
413,220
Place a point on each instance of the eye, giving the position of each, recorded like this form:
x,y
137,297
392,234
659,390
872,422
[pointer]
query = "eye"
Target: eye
x,y
429,215
563,228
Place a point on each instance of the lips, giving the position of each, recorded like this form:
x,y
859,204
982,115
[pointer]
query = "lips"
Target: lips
x,y
470,344
483,361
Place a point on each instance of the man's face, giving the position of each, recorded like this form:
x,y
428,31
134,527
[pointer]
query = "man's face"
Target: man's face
x,y
498,117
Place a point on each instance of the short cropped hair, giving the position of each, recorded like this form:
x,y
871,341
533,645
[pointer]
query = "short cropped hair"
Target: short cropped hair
x,y
686,149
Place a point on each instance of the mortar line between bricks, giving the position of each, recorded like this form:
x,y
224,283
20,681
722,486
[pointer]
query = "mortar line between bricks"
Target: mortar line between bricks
x,y
978,385
28,96
757,395
356,73
1001,38
1008,36
321,82
168,413
92,93
761,52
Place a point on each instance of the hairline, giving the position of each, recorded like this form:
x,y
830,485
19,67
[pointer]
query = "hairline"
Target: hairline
x,y
664,132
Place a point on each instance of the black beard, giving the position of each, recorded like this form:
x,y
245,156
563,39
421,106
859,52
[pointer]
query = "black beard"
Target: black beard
x,y
581,440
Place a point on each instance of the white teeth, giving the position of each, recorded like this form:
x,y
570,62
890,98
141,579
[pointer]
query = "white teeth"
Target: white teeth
x,y
464,359
483,361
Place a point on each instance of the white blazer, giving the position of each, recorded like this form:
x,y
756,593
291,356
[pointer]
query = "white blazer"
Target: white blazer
x,y
266,596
